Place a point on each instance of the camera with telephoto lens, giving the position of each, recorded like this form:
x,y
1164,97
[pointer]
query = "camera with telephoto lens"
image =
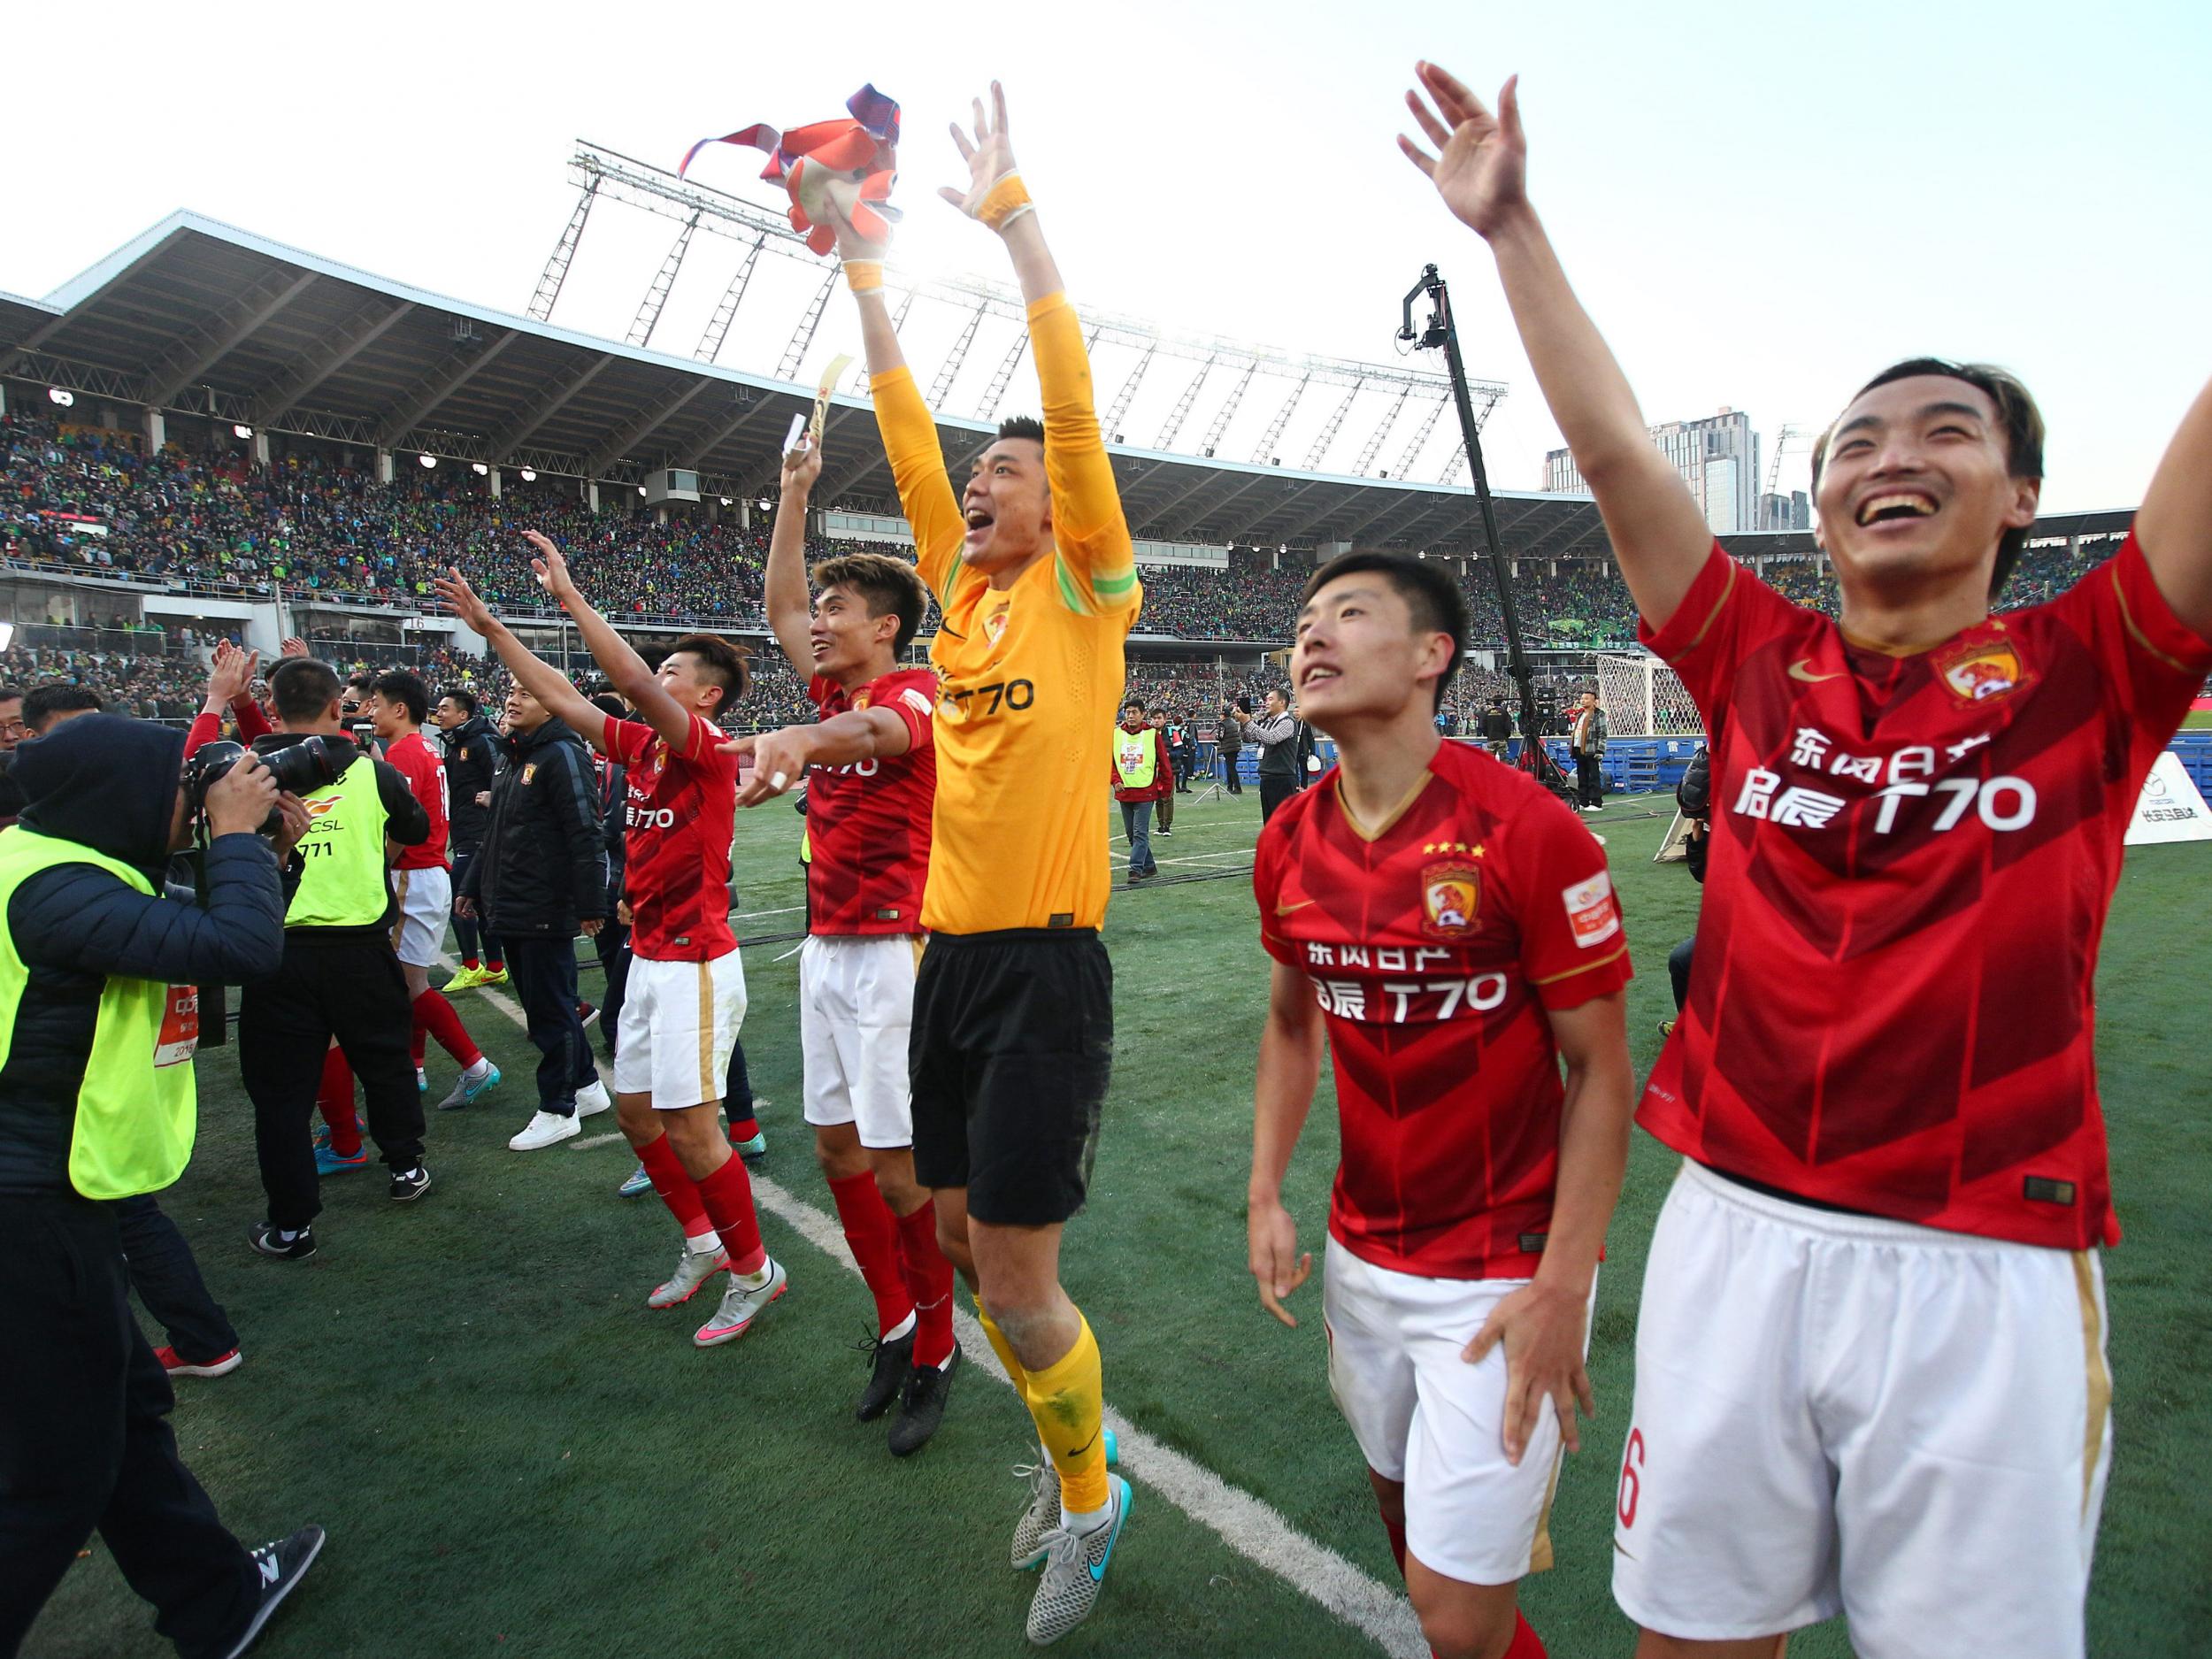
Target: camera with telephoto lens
x,y
297,768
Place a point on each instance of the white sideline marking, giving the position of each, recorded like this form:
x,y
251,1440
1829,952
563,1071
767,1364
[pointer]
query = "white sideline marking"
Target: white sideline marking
x,y
589,1141
1255,1530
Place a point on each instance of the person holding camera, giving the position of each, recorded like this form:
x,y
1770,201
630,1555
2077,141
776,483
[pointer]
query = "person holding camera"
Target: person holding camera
x,y
539,878
97,1107
340,975
1275,735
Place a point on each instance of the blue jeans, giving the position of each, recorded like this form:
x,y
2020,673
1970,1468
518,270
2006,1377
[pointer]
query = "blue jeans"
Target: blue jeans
x,y
1136,822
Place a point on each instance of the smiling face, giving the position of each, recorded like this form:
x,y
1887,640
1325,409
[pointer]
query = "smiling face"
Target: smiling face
x,y
449,714
525,712
687,680
1917,486
845,639
1358,656
1008,506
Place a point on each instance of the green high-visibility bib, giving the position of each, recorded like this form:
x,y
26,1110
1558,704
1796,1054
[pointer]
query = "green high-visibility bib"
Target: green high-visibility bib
x,y
1136,756
138,1107
342,883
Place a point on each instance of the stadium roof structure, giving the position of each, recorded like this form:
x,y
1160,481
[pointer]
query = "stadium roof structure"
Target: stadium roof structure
x,y
201,318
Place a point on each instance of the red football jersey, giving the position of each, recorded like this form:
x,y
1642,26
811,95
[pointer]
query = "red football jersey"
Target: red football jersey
x,y
426,777
678,819
1434,944
868,823
1892,1006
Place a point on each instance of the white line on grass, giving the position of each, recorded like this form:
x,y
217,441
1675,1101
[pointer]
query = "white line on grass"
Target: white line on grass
x,y
1255,1529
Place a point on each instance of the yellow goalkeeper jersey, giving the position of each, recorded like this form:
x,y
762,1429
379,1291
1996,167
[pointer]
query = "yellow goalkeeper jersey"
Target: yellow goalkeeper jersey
x,y
1033,674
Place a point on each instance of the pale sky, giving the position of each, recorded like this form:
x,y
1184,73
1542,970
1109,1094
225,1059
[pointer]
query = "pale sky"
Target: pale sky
x,y
1761,205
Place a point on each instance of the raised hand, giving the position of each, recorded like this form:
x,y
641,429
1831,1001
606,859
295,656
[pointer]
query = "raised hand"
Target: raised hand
x,y
1481,167
461,600
232,672
550,567
990,156
295,645
851,243
801,467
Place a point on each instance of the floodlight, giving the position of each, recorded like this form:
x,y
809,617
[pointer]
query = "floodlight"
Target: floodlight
x,y
427,460
242,431
726,501
65,398
529,475
479,469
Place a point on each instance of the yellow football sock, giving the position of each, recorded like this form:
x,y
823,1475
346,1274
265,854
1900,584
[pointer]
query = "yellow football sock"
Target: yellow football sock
x,y
1000,1347
1068,1401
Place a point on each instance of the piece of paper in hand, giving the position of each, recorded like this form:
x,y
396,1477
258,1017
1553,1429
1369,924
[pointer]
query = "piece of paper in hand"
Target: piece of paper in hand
x,y
791,438
828,384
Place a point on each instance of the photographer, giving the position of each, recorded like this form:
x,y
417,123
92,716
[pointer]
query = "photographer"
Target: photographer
x,y
96,1107
1275,735
340,975
539,878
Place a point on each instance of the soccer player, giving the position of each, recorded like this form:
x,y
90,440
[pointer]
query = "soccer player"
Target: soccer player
x,y
686,993
398,703
1871,1371
1452,929
870,774
1036,577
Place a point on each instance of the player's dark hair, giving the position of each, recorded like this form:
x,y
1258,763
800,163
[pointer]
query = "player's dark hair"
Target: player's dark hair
x,y
407,690
1434,598
610,705
1022,426
888,585
2017,413
465,699
302,687
723,662
10,693
41,703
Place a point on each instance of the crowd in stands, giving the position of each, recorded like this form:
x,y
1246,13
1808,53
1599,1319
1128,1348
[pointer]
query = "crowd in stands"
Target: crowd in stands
x,y
87,500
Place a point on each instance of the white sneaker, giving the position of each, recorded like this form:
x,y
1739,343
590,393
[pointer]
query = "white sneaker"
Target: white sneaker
x,y
694,1267
740,1306
545,1128
592,1098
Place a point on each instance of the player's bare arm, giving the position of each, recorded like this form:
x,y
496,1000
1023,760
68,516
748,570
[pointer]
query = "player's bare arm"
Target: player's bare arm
x,y
632,677
784,587
1480,170
1543,1326
779,758
2174,524
1290,1066
989,153
548,684
863,273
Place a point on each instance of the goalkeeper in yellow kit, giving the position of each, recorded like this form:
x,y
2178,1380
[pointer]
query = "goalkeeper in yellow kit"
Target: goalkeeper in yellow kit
x,y
1013,1039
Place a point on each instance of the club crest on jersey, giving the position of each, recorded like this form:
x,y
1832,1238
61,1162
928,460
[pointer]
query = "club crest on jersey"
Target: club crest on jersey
x,y
529,771
994,626
1451,892
1978,671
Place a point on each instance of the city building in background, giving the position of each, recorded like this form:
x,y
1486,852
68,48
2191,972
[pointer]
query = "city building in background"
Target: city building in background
x,y
1717,457
1792,512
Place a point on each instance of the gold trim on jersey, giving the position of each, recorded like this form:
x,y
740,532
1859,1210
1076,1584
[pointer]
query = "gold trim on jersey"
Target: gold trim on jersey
x,y
709,1085
1389,818
1539,1556
2100,1378
1555,977
399,903
2127,620
1705,627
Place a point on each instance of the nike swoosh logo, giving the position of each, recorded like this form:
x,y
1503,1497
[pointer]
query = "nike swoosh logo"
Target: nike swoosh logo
x,y
1284,910
1086,1446
1801,669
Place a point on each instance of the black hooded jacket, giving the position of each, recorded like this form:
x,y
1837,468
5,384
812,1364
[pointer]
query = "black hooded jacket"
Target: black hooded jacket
x,y
472,750
110,784
540,871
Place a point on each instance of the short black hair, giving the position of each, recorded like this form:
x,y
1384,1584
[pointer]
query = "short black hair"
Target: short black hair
x,y
465,699
2016,411
890,586
1137,703
302,687
725,664
610,705
406,689
1434,598
1022,426
41,703
10,693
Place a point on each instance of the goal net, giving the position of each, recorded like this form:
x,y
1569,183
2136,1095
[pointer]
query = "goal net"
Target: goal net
x,y
1643,698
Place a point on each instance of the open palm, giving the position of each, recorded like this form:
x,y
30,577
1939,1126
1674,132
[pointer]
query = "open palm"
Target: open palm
x,y
989,154
1481,168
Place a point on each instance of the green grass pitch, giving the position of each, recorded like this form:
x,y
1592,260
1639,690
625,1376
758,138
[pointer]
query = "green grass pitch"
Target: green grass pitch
x,y
514,1456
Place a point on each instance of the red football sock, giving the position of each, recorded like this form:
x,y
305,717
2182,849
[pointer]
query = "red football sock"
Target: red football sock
x,y
872,1233
471,964
746,1127
415,1043
335,1100
1526,1644
728,1195
929,1282
1397,1534
435,1015
676,1189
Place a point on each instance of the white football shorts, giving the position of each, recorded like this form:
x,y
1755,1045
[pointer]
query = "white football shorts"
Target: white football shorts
x,y
426,900
1841,1414
1424,1416
679,1023
856,1010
